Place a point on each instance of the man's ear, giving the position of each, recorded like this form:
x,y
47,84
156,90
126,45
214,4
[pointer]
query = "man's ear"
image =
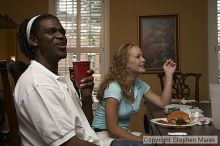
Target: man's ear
x,y
33,41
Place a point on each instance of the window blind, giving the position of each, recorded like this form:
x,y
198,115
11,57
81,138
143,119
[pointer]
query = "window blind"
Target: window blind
x,y
82,20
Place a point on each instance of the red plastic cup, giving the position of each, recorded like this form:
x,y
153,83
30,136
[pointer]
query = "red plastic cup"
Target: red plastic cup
x,y
80,70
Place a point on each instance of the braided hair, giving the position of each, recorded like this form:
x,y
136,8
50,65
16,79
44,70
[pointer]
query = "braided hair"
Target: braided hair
x,y
26,48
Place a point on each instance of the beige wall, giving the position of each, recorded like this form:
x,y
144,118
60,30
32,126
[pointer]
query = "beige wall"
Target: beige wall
x,y
19,10
22,9
7,43
193,35
193,31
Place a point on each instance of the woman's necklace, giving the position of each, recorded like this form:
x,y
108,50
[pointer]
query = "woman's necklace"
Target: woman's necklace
x,y
131,83
131,91
131,94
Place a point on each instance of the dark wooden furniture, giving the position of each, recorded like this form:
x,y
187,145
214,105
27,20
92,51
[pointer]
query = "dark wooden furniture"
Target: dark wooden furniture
x,y
205,130
16,68
2,115
185,85
10,72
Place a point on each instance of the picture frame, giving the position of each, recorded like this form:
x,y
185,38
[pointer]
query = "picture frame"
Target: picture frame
x,y
158,39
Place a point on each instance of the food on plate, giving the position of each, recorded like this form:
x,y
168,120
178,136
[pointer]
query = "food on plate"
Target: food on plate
x,y
162,121
178,118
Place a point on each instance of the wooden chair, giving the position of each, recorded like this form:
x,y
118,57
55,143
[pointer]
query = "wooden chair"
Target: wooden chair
x,y
10,72
185,85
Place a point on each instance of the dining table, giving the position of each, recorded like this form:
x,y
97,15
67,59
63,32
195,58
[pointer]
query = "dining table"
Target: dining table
x,y
204,130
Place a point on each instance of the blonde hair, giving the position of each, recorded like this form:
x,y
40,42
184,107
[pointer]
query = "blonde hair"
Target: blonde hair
x,y
118,72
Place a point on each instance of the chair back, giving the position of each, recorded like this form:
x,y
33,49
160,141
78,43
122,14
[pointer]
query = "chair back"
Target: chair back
x,y
10,72
185,85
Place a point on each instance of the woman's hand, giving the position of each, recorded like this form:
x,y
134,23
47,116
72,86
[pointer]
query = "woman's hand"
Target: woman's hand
x,y
169,67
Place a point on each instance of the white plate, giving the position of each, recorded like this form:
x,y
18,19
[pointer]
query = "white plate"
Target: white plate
x,y
170,125
180,106
185,108
183,101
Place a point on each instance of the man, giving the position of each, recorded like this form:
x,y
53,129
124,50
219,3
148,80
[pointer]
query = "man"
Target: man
x,y
48,107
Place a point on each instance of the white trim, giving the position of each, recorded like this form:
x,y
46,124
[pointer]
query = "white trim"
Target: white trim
x,y
107,36
78,27
212,41
51,6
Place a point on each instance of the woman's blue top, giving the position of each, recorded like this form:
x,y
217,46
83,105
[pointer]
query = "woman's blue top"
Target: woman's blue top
x,y
126,108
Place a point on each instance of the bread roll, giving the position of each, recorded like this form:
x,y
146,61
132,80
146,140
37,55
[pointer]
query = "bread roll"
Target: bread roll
x,y
178,118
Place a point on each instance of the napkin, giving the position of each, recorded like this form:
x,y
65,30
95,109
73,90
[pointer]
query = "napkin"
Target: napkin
x,y
199,118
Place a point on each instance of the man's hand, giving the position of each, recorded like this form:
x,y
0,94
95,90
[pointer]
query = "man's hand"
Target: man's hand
x,y
87,84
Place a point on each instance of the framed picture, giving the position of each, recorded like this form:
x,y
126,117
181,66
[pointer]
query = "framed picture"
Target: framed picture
x,y
158,39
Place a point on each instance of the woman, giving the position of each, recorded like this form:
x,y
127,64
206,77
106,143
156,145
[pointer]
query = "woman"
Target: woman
x,y
121,92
